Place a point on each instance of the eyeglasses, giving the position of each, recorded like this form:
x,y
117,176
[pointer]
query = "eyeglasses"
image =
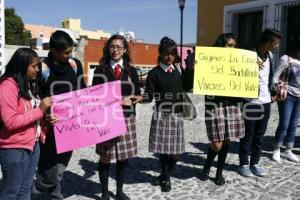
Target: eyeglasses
x,y
112,47
167,53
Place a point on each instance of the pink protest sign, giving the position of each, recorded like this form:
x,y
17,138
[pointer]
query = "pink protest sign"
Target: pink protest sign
x,y
88,116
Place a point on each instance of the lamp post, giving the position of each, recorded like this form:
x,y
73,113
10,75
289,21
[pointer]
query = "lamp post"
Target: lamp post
x,y
181,7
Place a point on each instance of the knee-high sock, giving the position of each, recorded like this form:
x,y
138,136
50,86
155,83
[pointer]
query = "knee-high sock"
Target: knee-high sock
x,y
103,170
171,163
221,159
121,167
164,166
209,159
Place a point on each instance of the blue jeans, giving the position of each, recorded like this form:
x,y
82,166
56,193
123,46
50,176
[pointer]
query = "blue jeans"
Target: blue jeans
x,y
18,167
256,118
50,171
289,113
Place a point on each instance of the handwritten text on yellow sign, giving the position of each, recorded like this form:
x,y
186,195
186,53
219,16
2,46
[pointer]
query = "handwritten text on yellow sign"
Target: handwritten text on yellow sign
x,y
226,72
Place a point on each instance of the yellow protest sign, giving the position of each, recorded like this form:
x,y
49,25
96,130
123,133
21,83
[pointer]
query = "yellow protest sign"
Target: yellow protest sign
x,y
226,72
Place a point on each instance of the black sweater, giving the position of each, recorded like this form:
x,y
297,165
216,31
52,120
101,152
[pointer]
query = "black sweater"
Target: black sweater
x,y
211,102
129,83
61,72
165,88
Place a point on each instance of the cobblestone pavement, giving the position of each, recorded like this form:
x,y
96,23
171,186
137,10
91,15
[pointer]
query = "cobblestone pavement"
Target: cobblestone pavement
x,y
81,180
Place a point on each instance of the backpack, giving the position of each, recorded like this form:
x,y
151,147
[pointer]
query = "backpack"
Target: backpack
x,y
45,70
188,109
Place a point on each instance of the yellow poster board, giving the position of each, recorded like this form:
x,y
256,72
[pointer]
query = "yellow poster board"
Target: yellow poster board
x,y
226,72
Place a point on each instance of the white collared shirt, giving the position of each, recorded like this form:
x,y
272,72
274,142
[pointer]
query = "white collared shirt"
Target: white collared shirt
x,y
165,67
264,92
114,63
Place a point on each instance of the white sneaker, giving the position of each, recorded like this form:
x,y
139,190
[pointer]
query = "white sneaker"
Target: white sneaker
x,y
288,154
276,155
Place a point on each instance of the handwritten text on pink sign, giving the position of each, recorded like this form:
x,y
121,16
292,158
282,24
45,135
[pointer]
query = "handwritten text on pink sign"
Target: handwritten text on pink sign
x,y
88,116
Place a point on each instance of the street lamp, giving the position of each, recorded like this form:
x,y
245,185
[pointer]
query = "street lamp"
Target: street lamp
x,y
181,7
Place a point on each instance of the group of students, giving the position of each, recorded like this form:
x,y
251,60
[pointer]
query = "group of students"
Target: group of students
x,y
229,118
25,117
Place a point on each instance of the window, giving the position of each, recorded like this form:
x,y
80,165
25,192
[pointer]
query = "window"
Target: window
x,y
246,23
287,21
249,29
293,24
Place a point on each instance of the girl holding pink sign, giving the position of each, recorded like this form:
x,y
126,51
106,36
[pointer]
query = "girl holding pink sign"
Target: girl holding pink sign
x,y
21,111
115,65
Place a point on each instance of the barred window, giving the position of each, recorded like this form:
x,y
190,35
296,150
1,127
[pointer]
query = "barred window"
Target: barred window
x,y
287,20
247,25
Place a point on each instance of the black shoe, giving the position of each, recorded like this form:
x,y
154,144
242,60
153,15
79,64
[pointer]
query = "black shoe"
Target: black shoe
x,y
204,175
36,193
105,197
165,186
158,180
219,180
122,196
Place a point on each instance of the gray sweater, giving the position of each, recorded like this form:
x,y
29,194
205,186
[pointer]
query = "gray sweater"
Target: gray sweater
x,y
293,67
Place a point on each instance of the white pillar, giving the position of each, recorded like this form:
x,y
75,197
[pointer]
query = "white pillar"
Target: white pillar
x,y
270,14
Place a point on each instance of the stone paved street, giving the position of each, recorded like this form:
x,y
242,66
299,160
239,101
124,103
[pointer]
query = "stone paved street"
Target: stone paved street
x,y
81,180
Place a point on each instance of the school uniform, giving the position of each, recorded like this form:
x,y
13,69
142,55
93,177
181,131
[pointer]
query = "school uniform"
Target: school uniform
x,y
223,118
166,132
224,122
124,146
164,84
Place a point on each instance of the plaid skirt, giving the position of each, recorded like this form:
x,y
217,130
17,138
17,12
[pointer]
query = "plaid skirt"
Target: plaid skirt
x,y
166,133
224,123
121,147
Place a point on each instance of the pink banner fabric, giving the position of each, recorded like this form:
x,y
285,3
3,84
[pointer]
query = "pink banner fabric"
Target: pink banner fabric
x,y
88,116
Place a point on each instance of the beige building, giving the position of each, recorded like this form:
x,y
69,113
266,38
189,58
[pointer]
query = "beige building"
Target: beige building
x,y
40,31
41,34
247,19
75,25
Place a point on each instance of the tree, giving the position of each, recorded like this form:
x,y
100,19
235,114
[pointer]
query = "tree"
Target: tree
x,y
15,34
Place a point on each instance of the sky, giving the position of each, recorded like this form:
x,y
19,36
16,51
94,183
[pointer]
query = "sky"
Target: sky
x,y
150,20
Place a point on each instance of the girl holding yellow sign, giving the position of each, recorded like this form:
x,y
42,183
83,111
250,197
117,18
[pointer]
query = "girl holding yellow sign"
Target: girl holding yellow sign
x,y
223,120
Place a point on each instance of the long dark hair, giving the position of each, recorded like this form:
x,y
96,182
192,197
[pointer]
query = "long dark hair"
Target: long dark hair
x,y
167,45
105,60
222,39
17,69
